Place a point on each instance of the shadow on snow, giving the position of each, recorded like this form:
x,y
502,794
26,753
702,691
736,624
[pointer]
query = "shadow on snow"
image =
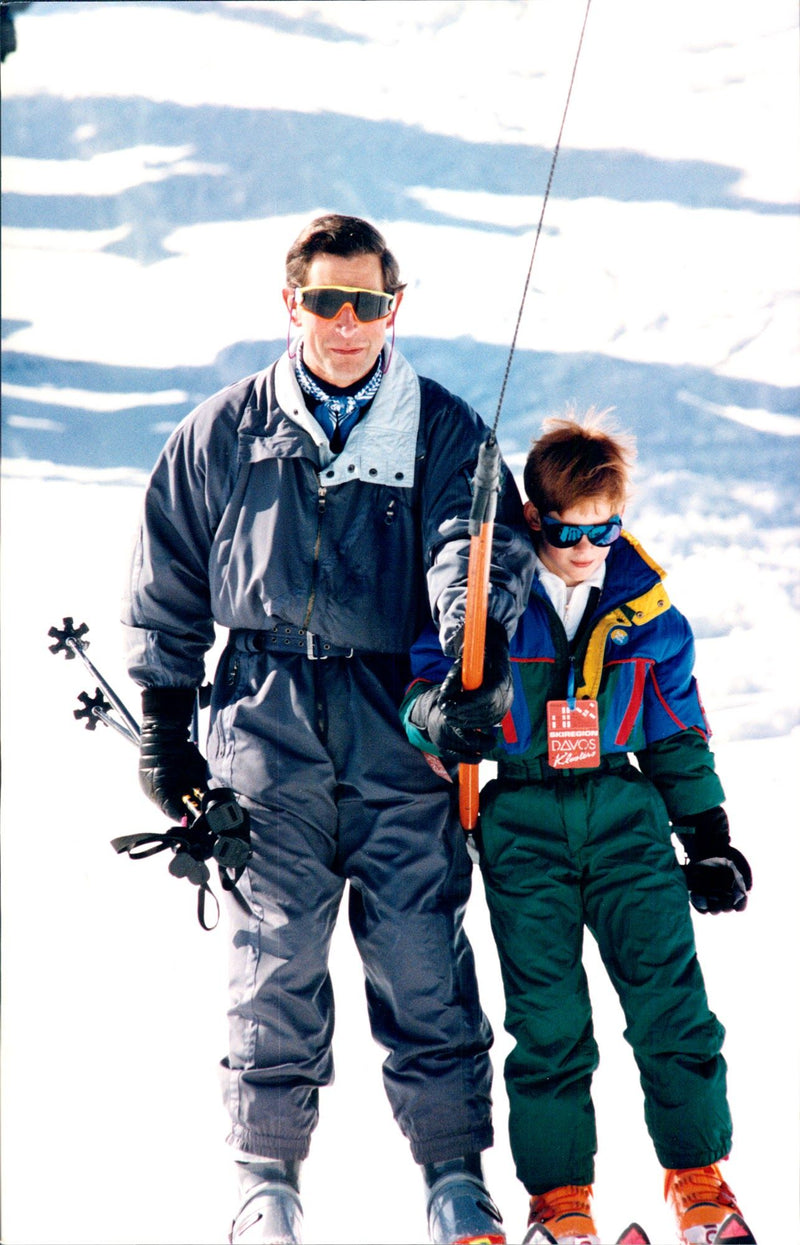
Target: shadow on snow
x,y
260,163
672,435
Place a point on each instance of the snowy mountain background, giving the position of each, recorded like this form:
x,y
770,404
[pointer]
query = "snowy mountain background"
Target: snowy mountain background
x,y
158,159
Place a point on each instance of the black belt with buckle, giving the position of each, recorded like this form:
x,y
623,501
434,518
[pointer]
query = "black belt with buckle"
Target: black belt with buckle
x,y
284,638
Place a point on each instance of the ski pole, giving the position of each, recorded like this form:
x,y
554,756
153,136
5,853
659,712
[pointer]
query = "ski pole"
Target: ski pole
x,y
485,488
69,641
97,709
215,826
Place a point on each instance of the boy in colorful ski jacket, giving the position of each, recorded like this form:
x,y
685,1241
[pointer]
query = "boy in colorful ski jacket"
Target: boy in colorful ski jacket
x,y
573,834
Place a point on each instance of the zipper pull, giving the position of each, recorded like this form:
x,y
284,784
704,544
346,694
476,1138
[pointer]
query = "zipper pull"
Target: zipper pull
x,y
571,685
321,499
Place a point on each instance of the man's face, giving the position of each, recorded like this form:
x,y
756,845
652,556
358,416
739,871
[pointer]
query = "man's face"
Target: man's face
x,y
581,561
344,349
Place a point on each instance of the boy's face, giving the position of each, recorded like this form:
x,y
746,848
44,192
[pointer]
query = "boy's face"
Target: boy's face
x,y
581,561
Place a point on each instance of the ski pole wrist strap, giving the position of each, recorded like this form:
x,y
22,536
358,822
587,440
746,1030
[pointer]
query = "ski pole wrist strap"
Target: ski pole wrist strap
x,y
219,832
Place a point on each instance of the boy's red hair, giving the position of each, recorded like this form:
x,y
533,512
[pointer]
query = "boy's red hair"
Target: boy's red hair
x,y
577,459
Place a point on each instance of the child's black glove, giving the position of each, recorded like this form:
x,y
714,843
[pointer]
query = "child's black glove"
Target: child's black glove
x,y
464,744
718,876
484,707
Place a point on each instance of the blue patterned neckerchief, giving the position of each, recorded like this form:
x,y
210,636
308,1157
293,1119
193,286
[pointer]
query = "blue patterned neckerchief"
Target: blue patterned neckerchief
x,y
337,413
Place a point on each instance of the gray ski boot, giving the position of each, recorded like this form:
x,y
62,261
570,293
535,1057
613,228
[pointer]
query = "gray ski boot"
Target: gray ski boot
x,y
460,1209
270,1212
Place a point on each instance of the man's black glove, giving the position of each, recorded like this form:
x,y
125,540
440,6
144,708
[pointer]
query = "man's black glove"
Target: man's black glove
x,y
170,766
465,745
487,705
718,876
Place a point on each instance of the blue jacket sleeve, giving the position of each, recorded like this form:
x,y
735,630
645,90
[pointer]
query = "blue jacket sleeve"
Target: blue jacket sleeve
x,y
166,609
678,759
429,665
671,698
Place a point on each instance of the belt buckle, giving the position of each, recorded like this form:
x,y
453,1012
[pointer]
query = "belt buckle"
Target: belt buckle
x,y
311,647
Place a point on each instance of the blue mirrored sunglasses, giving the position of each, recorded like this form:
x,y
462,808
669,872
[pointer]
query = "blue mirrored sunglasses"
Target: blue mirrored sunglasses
x,y
566,535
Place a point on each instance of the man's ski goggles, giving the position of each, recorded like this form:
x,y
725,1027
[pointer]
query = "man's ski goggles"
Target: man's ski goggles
x,y
567,535
327,301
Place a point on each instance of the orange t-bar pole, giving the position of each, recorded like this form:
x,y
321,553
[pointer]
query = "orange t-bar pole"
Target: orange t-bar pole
x,y
485,488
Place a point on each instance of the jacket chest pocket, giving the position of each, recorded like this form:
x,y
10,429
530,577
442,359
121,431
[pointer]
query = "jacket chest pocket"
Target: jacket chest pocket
x,y
368,522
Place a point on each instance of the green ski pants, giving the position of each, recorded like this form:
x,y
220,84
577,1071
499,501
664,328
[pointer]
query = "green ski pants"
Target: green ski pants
x,y
594,850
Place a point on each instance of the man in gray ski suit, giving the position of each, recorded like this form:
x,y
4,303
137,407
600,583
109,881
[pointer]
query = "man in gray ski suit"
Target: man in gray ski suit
x,y
318,510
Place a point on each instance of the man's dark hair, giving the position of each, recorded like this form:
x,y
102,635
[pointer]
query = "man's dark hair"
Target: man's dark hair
x,y
344,236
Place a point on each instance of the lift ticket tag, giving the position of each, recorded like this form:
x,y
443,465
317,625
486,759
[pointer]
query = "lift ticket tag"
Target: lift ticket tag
x,y
573,734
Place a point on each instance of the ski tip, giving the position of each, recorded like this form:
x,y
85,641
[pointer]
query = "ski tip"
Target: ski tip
x,y
538,1234
634,1235
734,1231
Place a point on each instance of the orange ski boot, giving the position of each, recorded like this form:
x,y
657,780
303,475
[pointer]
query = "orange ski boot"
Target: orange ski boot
x,y
702,1202
565,1213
